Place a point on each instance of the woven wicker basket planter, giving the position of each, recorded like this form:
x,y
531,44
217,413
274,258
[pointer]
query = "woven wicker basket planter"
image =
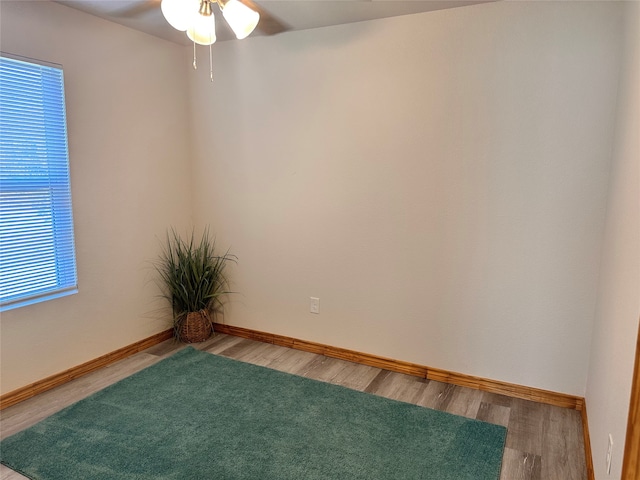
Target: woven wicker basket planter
x,y
196,327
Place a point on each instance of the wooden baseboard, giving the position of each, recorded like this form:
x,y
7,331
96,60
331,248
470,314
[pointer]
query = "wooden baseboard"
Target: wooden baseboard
x,y
478,383
23,393
587,442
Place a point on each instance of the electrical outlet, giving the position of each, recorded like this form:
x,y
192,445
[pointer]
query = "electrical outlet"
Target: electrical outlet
x,y
314,306
609,450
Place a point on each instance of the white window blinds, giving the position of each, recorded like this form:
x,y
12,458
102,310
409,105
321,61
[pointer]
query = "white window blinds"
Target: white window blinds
x,y
37,256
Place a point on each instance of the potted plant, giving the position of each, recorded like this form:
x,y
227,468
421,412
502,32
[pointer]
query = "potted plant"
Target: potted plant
x,y
193,279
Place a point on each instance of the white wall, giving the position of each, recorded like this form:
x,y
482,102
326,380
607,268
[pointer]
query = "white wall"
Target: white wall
x,y
618,309
438,180
127,115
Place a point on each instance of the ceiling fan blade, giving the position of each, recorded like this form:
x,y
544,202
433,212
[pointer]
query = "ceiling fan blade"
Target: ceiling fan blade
x,y
268,24
137,9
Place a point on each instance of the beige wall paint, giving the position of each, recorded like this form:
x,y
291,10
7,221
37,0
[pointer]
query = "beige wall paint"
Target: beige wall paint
x,y
618,309
438,180
127,115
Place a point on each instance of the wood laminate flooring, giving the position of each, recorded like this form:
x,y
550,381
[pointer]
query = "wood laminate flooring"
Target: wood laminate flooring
x,y
543,442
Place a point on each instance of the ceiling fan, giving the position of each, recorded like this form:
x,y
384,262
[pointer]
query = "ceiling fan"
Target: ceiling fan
x,y
198,19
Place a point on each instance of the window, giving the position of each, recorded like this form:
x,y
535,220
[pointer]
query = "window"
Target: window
x,y
37,255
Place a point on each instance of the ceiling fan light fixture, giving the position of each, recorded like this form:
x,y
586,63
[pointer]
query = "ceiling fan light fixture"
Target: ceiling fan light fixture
x,y
202,29
180,13
240,18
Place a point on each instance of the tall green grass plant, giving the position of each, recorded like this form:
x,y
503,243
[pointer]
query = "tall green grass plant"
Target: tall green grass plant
x,y
193,277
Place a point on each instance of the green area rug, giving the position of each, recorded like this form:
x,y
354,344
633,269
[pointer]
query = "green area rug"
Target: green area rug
x,y
197,416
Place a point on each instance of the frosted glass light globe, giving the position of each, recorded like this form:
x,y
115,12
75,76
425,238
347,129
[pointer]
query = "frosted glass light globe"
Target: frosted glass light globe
x,y
179,13
240,18
202,29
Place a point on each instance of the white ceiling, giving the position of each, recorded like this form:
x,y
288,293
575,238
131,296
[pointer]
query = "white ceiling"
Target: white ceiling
x,y
145,15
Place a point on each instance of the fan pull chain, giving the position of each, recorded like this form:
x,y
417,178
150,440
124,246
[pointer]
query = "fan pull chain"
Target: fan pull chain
x,y
195,65
210,64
